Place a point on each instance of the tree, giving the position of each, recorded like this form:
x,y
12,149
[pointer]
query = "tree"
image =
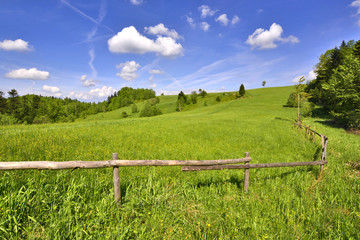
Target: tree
x,y
3,104
182,100
218,99
134,108
242,90
263,83
193,97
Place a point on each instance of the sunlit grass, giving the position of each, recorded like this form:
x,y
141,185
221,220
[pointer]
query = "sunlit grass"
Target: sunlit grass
x,y
165,203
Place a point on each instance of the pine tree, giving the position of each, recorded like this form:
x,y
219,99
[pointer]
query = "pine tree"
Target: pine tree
x,y
242,90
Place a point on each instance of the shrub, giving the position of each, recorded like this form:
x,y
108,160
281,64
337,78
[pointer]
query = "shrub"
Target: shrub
x,y
218,99
124,115
7,119
134,108
149,110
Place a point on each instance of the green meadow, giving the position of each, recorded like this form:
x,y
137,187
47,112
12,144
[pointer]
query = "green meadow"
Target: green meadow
x,y
166,203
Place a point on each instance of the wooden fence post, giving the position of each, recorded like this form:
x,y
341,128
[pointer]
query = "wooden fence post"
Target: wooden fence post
x,y
323,151
117,188
246,175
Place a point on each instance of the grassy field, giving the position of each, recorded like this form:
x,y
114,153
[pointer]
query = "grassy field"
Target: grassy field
x,y
165,203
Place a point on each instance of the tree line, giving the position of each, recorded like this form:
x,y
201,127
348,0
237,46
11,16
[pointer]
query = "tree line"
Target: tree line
x,y
33,108
337,85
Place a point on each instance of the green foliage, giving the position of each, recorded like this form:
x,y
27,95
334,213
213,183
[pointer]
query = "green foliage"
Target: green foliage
x,y
242,90
193,97
202,93
124,115
181,101
150,110
7,119
164,202
134,108
218,99
263,83
337,85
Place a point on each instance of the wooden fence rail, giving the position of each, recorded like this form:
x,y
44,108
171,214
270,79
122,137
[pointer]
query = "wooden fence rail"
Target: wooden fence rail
x,y
188,165
115,164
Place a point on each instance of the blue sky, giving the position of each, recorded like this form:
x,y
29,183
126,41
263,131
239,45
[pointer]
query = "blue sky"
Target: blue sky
x,y
89,49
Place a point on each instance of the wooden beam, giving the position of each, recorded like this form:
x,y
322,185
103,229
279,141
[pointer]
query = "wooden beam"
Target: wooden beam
x,y
245,166
246,173
51,165
117,187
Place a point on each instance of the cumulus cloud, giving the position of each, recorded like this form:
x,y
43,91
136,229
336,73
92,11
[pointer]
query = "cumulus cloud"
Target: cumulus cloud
x,y
32,73
161,30
206,11
129,40
190,21
309,77
356,4
93,93
266,39
136,2
16,45
223,19
235,20
204,26
87,82
128,70
53,90
156,71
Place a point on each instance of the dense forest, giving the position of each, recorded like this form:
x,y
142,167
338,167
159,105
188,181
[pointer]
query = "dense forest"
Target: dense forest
x,y
32,108
337,85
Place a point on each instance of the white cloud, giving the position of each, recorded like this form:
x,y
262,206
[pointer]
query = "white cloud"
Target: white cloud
x,y
136,2
206,11
222,19
235,20
156,71
93,93
356,4
17,45
265,39
153,85
190,21
83,77
51,89
128,70
161,30
129,40
309,77
87,82
204,26
32,73
260,11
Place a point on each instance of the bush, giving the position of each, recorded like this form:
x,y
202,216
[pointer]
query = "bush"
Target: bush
x,y
44,119
149,110
218,99
134,108
307,108
124,115
7,119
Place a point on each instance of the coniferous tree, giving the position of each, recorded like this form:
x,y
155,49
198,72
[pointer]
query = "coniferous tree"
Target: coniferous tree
x,y
242,90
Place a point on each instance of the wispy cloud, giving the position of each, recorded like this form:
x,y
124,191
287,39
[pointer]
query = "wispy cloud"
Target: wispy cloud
x,y
228,71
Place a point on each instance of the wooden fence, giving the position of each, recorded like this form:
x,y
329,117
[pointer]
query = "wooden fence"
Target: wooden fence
x,y
188,165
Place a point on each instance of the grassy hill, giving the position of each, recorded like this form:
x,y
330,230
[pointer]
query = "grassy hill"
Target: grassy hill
x,y
165,203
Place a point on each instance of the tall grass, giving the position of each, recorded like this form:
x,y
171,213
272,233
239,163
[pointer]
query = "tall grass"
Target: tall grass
x,y
165,203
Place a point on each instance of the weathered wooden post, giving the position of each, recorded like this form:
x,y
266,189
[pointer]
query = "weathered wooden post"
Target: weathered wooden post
x,y
323,151
246,175
117,188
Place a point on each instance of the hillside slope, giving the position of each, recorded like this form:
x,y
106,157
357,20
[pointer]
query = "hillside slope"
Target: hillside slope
x,y
163,202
